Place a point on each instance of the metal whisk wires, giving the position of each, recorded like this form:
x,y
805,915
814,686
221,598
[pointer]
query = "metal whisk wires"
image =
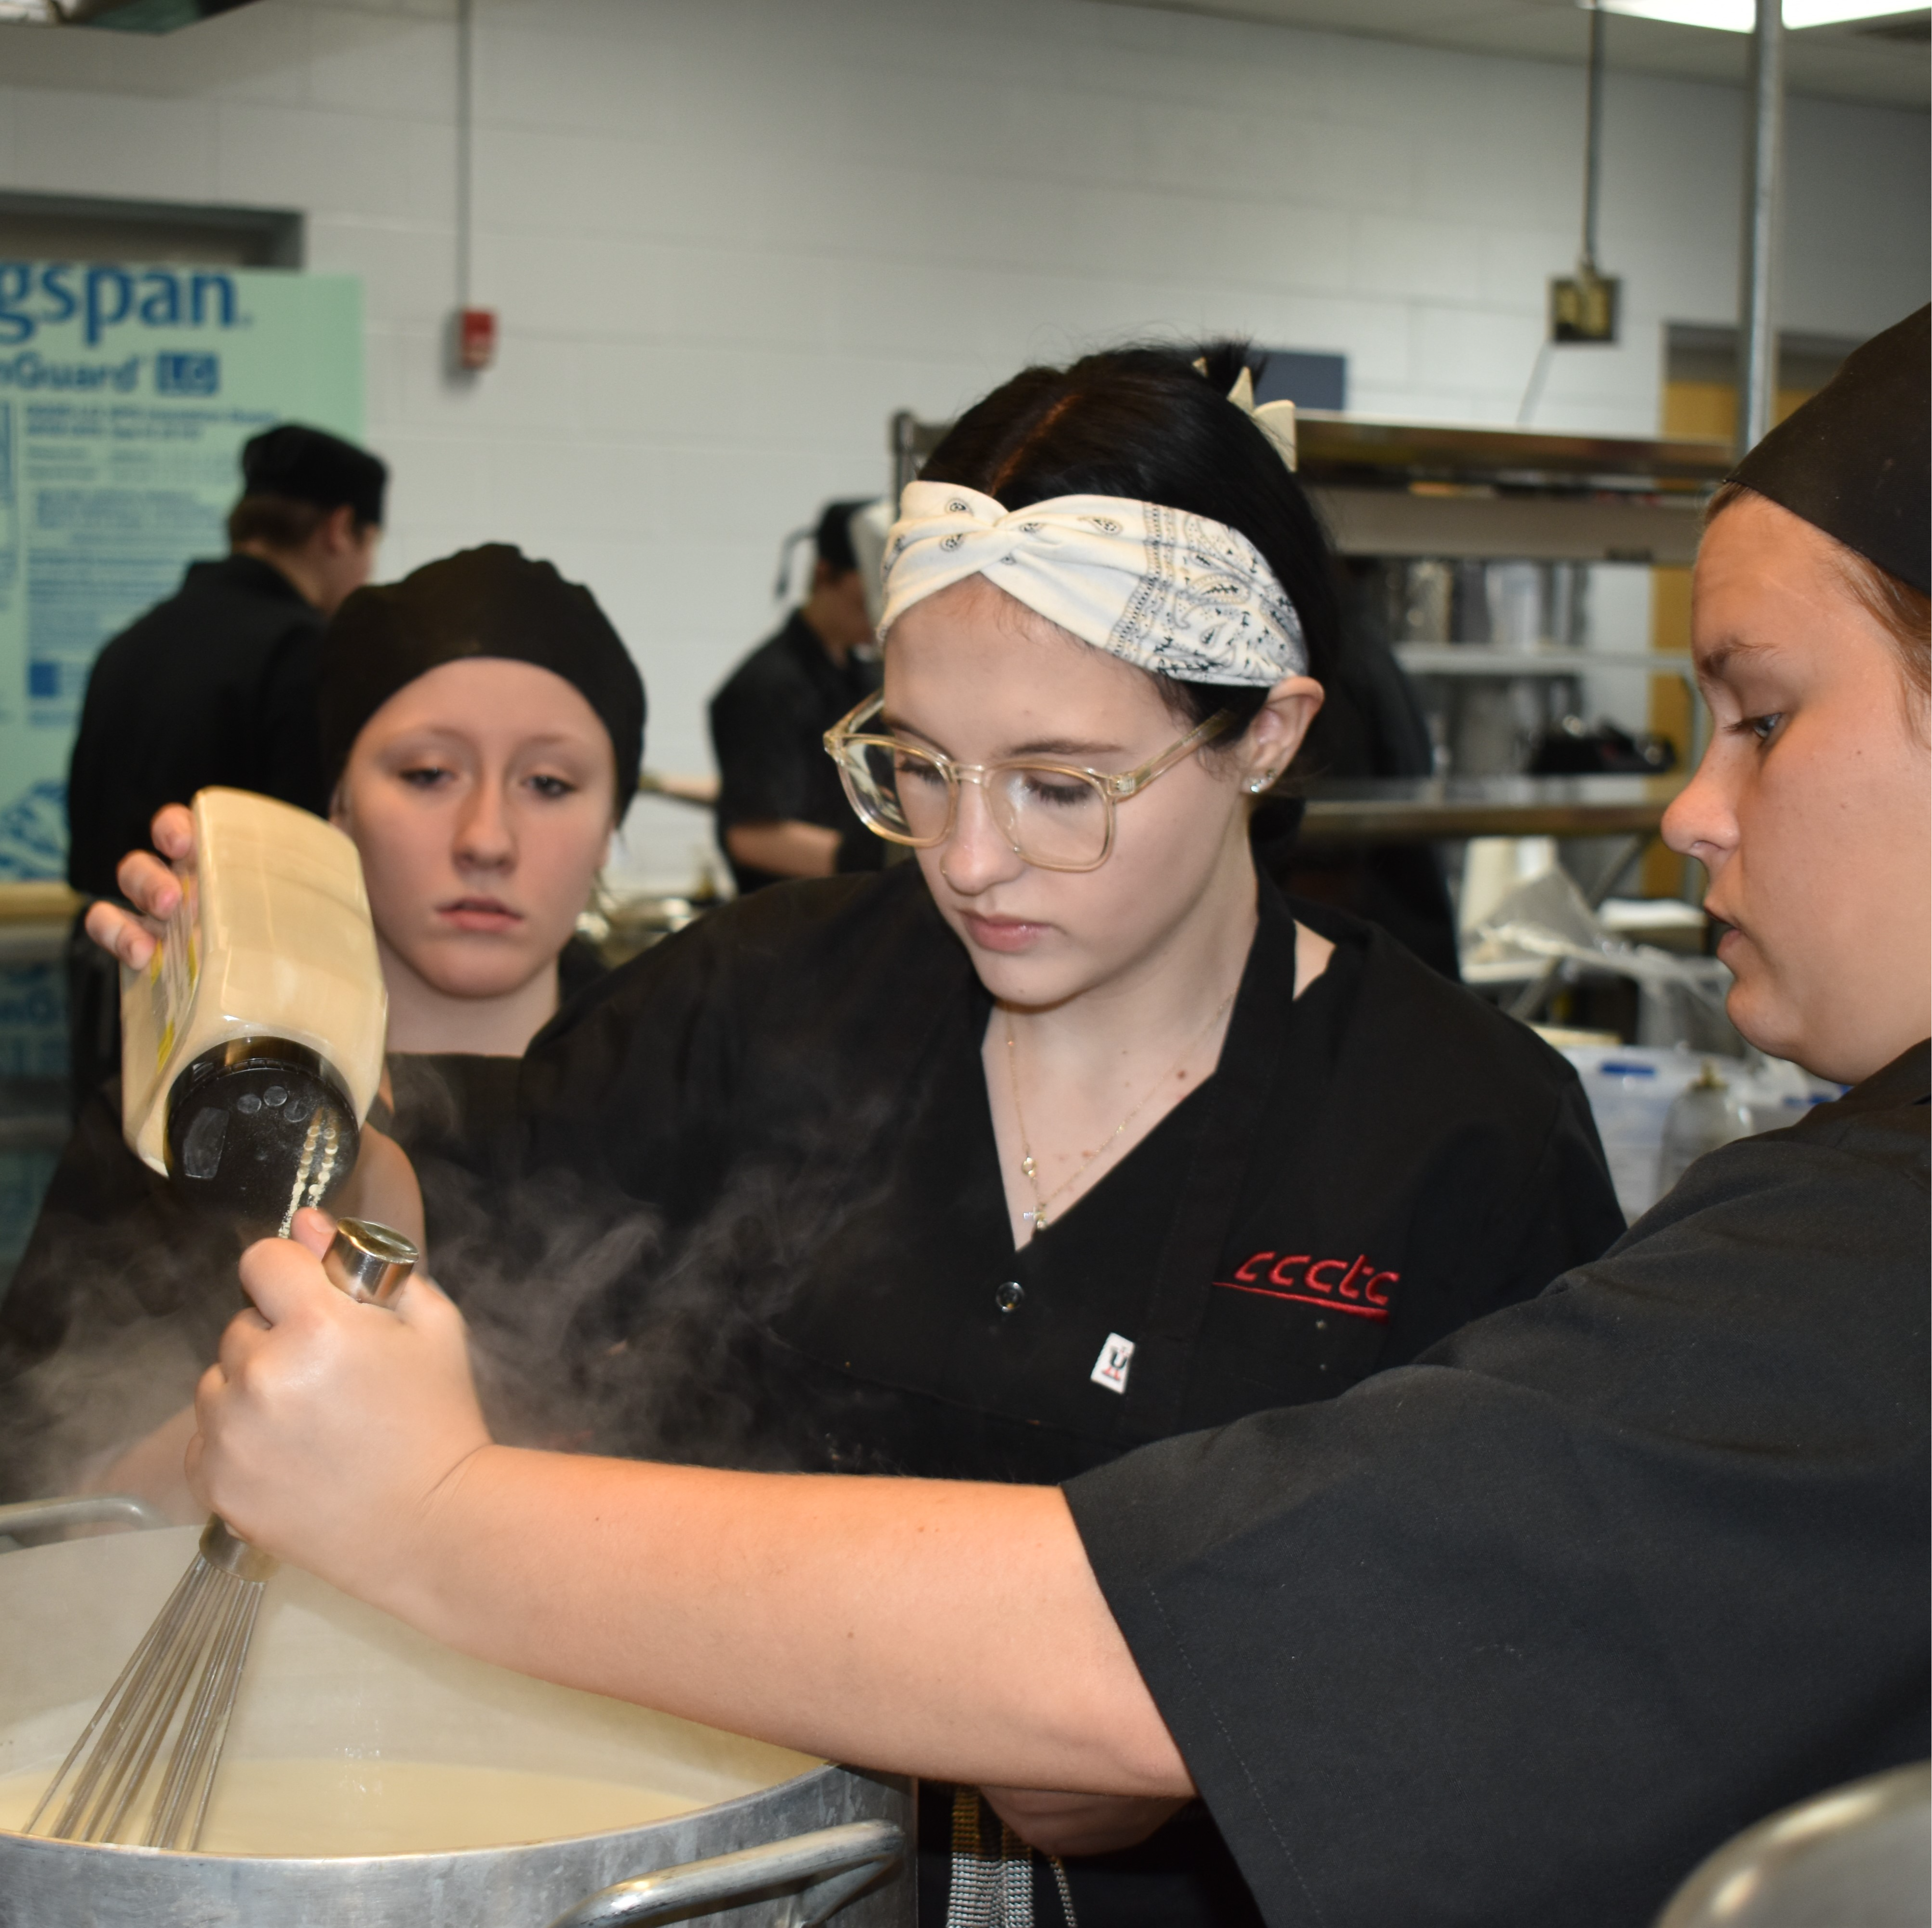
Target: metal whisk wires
x,y
170,1708
181,1681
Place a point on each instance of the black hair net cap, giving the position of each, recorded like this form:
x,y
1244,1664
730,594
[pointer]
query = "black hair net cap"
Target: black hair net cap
x,y
490,602
311,465
1856,460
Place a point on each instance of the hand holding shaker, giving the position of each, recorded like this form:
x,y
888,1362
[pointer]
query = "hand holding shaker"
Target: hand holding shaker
x,y
251,1044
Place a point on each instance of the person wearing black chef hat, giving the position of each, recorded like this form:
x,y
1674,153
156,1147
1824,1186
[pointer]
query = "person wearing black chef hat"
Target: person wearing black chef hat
x,y
1514,1636
216,684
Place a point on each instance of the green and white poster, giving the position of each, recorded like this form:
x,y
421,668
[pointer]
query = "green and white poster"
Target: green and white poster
x,y
126,393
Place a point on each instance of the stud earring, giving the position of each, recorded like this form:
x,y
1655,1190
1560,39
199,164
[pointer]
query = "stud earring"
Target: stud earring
x,y
1256,785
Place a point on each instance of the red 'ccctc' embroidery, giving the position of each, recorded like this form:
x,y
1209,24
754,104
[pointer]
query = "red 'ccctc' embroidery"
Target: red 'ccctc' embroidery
x,y
1342,1285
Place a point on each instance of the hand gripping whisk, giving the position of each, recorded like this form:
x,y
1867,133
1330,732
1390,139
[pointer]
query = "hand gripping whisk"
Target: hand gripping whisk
x,y
171,1703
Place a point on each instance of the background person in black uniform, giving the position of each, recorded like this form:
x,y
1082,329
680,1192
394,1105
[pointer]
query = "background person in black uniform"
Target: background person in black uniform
x,y
1514,1638
216,685
780,810
1022,1154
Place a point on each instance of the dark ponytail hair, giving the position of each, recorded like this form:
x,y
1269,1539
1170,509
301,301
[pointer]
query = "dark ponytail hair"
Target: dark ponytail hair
x,y
1145,423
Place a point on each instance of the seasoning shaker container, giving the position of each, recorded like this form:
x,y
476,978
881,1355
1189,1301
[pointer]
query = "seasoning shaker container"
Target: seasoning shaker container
x,y
252,1042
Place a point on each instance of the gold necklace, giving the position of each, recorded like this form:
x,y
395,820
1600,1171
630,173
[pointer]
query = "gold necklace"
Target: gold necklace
x,y
1037,1218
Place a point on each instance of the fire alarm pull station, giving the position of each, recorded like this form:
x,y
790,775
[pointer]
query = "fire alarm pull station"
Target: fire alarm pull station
x,y
475,337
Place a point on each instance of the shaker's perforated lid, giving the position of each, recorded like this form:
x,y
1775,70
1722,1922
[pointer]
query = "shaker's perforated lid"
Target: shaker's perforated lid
x,y
259,1126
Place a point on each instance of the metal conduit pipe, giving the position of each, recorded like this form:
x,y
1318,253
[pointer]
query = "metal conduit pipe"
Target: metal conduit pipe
x,y
1593,135
1764,148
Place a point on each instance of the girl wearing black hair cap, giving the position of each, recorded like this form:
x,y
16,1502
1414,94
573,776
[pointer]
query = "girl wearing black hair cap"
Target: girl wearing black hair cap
x,y
1071,1134
482,729
482,725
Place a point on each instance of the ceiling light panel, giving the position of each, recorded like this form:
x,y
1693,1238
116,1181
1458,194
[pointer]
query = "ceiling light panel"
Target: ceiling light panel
x,y
1740,16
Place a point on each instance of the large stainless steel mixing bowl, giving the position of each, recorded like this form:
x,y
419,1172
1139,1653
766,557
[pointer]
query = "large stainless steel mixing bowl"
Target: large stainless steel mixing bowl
x,y
790,1836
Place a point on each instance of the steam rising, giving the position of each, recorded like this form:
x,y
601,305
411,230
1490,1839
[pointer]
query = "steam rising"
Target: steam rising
x,y
593,1326
112,1318
592,1329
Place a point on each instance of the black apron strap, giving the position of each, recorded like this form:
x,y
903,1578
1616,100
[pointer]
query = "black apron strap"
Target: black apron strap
x,y
1210,1186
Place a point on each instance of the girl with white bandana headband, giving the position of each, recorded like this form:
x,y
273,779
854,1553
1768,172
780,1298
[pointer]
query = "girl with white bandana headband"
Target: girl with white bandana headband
x,y
1069,1133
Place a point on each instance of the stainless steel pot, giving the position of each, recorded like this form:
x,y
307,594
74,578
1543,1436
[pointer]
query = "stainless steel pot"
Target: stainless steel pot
x,y
1859,1856
772,1836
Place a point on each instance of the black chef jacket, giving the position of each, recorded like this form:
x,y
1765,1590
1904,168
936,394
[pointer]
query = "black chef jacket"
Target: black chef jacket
x,y
1515,1636
768,723
796,1086
794,1089
215,686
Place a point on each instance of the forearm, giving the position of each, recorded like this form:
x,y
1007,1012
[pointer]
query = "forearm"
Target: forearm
x,y
950,1631
790,849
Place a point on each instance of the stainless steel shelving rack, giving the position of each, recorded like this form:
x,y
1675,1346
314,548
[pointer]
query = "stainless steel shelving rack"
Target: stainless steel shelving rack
x,y
1393,490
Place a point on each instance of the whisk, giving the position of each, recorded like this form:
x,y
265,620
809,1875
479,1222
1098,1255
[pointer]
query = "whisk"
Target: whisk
x,y
172,1704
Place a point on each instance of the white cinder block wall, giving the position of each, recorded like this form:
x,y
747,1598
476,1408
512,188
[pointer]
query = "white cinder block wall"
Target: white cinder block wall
x,y
727,237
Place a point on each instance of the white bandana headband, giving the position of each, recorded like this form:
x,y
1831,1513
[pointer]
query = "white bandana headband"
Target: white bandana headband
x,y
1180,595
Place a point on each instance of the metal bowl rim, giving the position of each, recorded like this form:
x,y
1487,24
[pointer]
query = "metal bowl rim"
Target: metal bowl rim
x,y
177,1857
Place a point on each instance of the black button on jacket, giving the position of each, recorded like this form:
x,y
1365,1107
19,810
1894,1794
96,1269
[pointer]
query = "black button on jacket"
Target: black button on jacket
x,y
214,686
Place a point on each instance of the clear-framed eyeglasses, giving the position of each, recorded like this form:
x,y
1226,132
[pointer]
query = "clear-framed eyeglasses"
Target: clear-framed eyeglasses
x,y
1058,816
